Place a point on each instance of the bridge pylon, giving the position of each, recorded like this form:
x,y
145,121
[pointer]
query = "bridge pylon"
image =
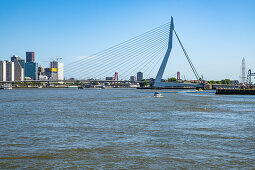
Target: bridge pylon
x,y
157,82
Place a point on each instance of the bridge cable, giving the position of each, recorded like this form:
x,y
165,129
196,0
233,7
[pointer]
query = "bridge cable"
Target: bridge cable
x,y
119,45
110,59
187,56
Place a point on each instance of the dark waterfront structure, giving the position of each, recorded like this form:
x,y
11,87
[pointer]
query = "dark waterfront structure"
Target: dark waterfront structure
x,y
31,70
30,57
236,91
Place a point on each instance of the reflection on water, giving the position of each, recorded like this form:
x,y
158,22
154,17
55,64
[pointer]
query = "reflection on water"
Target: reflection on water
x,y
125,129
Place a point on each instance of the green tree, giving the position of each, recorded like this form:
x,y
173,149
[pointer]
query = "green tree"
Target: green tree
x,y
212,82
172,79
144,83
223,81
226,81
95,83
77,82
218,82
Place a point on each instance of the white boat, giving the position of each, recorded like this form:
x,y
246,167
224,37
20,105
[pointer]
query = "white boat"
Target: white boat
x,y
157,94
7,86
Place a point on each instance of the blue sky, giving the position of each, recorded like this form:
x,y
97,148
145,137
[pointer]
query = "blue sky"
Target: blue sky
x,y
217,34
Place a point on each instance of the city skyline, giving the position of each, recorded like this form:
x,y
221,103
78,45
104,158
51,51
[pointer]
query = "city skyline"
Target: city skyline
x,y
19,69
217,35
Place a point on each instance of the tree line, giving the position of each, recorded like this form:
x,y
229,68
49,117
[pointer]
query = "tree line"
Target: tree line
x,y
225,81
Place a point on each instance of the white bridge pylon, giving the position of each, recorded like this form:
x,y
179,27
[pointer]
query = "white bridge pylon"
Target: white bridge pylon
x,y
157,82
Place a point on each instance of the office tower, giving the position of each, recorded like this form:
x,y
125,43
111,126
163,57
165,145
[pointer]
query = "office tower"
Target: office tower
x,y
31,70
51,73
60,71
30,57
18,71
47,72
139,76
59,68
20,60
2,70
19,67
9,71
132,78
40,71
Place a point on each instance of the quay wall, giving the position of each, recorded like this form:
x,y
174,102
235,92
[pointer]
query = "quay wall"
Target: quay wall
x,y
236,91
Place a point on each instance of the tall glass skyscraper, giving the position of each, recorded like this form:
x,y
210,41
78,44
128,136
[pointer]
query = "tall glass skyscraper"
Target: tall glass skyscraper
x,y
139,76
31,70
30,57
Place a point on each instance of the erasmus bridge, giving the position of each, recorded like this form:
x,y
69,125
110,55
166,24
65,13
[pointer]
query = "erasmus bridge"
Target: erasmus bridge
x,y
148,53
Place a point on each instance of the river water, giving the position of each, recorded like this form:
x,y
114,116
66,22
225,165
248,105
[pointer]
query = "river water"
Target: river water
x,y
125,129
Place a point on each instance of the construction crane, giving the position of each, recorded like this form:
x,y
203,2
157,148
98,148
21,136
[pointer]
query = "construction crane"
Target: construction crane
x,y
58,58
250,74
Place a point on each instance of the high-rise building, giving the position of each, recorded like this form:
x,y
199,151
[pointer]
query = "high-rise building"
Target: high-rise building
x,y
47,72
2,70
19,67
18,71
51,73
54,73
30,57
20,60
9,71
139,76
132,78
40,71
31,70
59,69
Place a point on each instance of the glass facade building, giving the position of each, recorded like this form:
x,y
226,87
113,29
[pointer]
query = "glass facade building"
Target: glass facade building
x,y
30,57
139,76
31,70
